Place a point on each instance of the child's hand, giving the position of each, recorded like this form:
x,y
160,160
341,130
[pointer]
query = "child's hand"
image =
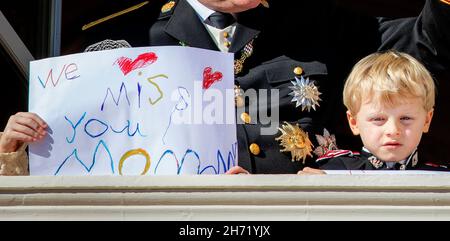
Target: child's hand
x,y
22,127
237,170
311,171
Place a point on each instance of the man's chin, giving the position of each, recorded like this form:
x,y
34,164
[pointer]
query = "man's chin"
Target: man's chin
x,y
231,6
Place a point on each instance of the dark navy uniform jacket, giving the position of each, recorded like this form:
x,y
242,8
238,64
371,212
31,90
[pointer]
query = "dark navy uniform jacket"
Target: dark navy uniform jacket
x,y
265,69
325,40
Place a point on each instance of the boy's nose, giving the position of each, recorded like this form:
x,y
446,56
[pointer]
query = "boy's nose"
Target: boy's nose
x,y
393,128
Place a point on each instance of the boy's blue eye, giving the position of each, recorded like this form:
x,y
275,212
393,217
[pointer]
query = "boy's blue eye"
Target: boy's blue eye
x,y
406,118
377,119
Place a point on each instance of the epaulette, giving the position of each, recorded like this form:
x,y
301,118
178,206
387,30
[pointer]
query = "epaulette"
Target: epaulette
x,y
167,9
114,15
336,153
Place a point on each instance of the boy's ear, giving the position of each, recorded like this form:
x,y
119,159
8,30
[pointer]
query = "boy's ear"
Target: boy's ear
x,y
428,118
352,123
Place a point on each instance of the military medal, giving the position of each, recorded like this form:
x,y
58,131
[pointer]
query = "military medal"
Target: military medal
x,y
245,53
326,142
296,141
305,93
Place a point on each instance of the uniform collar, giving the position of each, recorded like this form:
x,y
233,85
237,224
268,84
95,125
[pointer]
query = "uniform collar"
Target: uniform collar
x,y
185,26
410,162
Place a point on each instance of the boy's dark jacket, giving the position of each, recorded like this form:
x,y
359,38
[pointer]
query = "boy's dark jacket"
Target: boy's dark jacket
x,y
348,160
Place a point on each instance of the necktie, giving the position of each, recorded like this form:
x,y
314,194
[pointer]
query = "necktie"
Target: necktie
x,y
220,20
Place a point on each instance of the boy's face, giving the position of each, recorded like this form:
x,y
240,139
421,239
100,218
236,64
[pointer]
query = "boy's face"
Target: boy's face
x,y
391,132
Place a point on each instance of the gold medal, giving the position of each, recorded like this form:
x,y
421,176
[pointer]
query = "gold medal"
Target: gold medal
x,y
296,141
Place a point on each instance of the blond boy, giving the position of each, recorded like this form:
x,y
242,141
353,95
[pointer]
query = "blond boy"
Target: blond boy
x,y
390,100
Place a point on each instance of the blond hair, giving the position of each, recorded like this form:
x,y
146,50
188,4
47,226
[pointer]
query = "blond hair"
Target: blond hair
x,y
384,77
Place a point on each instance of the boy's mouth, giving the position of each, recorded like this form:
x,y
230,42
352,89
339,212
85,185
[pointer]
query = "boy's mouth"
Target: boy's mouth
x,y
392,144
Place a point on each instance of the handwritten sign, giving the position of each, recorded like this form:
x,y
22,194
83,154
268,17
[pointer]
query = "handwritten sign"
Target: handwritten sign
x,y
136,111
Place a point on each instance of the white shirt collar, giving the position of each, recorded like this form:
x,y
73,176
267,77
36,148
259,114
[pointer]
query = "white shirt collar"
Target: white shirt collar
x,y
202,11
217,35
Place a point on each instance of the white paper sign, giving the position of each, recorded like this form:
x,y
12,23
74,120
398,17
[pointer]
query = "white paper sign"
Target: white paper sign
x,y
137,111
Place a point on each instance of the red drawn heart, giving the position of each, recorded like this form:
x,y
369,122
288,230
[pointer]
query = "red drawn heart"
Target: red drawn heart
x,y
210,78
127,65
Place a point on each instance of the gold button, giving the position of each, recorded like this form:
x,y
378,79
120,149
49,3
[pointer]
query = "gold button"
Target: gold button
x,y
245,117
298,70
226,34
239,101
227,44
254,149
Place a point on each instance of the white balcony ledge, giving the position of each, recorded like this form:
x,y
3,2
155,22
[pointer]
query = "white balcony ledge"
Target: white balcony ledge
x,y
238,197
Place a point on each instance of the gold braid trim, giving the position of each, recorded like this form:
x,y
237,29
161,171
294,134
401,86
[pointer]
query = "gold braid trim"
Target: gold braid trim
x,y
92,24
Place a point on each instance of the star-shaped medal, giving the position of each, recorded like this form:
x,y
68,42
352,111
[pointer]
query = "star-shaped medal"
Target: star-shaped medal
x,y
305,93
